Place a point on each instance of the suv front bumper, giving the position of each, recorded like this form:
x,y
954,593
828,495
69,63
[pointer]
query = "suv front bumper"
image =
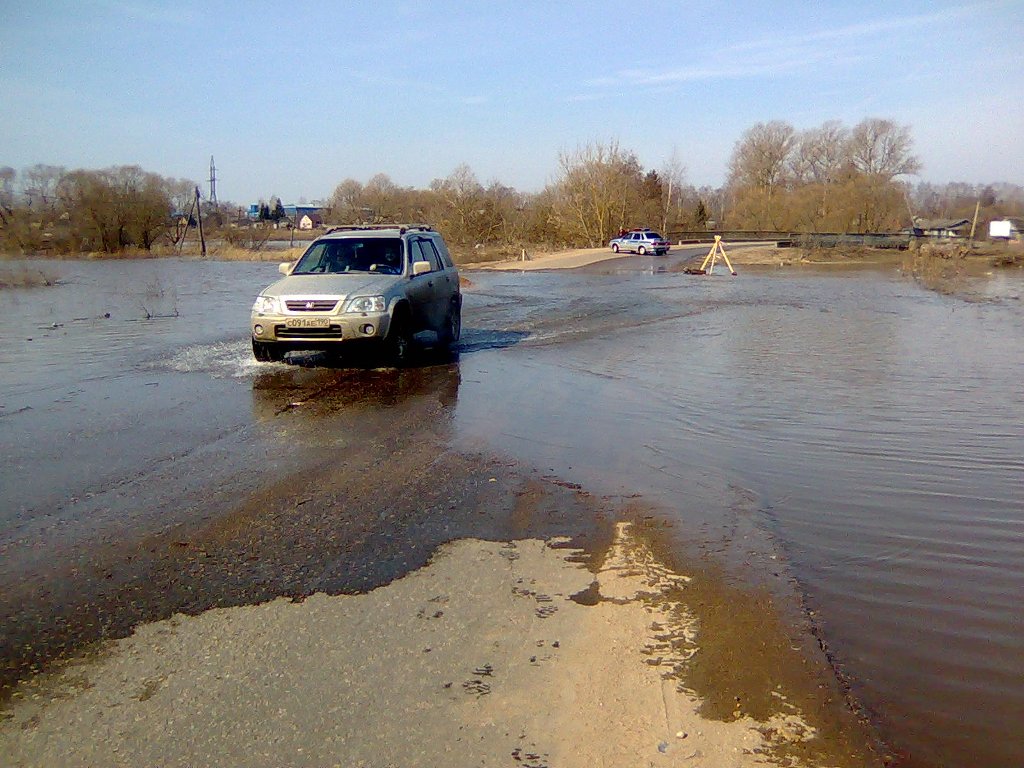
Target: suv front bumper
x,y
310,331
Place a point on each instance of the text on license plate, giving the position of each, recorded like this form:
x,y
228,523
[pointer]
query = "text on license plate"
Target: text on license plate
x,y
307,322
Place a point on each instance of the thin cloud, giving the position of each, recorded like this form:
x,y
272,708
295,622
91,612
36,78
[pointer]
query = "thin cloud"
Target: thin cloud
x,y
581,98
865,29
778,55
151,14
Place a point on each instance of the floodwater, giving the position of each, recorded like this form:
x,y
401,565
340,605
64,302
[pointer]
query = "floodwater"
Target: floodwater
x,y
850,428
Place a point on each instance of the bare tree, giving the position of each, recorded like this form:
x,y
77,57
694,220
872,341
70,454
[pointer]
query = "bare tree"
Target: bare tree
x,y
114,208
759,172
761,156
344,203
467,212
181,193
822,179
146,204
40,184
7,177
882,148
508,213
89,203
383,197
819,154
819,159
599,189
673,175
714,201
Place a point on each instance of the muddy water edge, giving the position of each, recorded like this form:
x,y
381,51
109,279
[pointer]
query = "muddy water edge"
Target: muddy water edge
x,y
793,441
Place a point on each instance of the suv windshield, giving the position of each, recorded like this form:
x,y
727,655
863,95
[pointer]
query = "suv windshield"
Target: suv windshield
x,y
371,254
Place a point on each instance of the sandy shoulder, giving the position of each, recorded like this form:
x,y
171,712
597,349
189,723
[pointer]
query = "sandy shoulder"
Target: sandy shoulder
x,y
480,658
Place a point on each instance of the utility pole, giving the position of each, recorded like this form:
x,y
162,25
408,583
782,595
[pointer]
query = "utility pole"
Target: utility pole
x,y
199,211
213,184
668,207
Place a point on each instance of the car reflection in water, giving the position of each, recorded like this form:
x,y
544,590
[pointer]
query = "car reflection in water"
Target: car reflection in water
x,y
321,383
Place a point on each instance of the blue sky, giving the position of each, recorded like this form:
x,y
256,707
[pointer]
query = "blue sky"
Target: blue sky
x,y
292,98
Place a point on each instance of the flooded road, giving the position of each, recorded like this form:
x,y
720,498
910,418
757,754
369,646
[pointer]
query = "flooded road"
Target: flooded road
x,y
849,432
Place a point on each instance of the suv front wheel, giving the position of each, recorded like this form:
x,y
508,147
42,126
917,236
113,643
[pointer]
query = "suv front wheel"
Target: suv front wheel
x,y
452,329
398,343
267,352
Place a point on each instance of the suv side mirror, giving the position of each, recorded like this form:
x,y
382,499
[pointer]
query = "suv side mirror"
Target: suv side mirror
x,y
285,267
420,268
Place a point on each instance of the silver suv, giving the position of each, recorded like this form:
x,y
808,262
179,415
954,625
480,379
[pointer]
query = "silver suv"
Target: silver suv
x,y
359,286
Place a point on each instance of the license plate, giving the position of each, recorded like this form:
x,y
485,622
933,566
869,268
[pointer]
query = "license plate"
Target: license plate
x,y
307,322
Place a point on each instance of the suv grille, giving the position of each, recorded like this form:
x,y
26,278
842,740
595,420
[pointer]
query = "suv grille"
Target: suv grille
x,y
311,305
331,332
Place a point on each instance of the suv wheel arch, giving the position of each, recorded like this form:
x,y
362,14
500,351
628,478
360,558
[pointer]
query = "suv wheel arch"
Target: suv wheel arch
x,y
451,331
398,342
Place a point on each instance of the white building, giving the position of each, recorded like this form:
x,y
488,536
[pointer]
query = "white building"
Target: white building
x,y
1006,229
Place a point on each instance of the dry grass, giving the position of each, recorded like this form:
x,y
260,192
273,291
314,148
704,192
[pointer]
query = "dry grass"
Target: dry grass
x,y
302,237
1005,254
937,268
235,253
950,268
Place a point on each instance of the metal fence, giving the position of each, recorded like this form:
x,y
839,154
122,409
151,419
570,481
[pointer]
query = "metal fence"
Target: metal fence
x,y
896,240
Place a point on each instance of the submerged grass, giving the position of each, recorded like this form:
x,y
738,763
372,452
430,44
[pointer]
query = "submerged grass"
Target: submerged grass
x,y
236,253
23,276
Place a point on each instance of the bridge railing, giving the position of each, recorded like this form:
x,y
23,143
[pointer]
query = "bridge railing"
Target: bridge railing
x,y
899,240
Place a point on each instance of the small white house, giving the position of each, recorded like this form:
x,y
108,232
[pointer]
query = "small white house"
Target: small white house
x,y
1006,229
310,221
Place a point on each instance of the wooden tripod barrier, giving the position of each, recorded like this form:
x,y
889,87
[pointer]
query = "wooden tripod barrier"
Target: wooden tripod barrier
x,y
712,257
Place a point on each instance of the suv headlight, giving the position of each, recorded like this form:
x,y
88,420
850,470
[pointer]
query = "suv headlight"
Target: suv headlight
x,y
366,304
265,305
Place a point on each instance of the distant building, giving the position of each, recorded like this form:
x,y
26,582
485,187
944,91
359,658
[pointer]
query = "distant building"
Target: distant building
x,y
181,220
310,221
296,212
1006,230
940,229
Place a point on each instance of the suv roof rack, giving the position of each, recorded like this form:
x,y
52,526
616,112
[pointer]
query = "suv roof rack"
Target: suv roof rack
x,y
402,228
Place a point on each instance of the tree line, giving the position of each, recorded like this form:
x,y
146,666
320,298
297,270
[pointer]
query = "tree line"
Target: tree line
x,y
47,207
825,179
838,179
